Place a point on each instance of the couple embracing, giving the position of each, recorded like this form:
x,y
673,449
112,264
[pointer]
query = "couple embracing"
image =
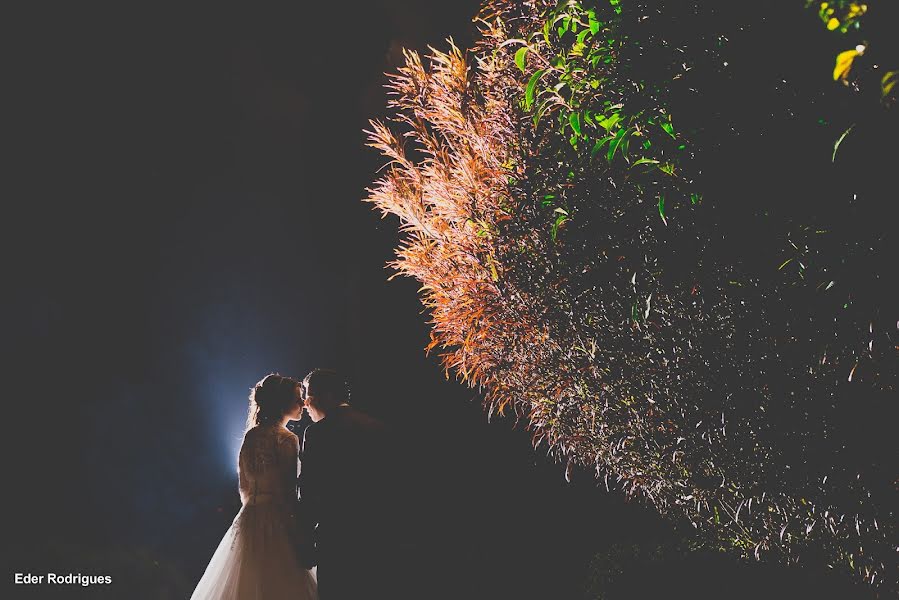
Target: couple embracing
x,y
331,543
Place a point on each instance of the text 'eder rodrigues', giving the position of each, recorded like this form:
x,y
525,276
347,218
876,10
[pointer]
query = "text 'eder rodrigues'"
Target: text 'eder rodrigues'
x,y
60,579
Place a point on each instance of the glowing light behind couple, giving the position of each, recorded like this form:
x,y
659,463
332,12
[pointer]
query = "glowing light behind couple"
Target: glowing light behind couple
x,y
231,365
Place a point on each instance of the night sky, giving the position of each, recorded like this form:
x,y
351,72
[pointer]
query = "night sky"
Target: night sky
x,y
187,216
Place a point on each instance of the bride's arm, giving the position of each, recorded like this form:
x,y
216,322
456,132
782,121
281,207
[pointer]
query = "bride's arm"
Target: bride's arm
x,y
243,483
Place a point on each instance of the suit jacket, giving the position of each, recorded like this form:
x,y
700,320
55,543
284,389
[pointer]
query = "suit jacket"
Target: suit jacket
x,y
344,481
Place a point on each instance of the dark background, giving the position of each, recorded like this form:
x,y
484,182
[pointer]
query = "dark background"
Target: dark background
x,y
186,217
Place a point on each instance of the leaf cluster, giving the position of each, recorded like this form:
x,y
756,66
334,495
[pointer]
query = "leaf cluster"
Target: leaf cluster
x,y
577,206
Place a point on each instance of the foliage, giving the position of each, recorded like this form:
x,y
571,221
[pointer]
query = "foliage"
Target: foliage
x,y
578,208
878,70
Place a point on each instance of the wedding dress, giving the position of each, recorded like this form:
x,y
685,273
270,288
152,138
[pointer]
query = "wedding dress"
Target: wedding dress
x,y
257,558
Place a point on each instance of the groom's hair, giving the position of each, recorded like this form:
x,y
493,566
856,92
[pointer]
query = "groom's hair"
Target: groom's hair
x,y
328,383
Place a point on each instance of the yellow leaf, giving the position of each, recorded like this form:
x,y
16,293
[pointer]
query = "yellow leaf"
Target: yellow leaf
x,y
856,10
833,23
888,82
844,64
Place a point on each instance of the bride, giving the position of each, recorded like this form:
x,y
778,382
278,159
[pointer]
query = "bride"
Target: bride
x,y
258,557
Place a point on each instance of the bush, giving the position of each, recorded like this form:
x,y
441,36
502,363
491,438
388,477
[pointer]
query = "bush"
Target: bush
x,y
598,256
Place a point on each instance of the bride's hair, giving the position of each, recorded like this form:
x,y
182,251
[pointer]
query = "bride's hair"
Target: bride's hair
x,y
273,396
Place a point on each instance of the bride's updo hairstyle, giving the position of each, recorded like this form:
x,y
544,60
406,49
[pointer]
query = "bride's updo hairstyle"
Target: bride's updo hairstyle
x,y
273,396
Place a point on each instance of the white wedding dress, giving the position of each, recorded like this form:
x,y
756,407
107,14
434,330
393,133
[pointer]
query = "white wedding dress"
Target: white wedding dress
x,y
257,558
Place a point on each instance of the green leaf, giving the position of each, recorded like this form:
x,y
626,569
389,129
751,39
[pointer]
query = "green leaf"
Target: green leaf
x,y
532,85
609,122
695,198
519,57
645,161
575,120
560,220
615,144
662,209
836,145
597,147
669,128
594,24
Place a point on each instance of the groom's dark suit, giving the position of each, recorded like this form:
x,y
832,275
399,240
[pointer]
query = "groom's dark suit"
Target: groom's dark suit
x,y
344,496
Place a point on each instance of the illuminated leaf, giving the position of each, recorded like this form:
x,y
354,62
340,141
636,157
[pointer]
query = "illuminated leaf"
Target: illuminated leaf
x,y
836,145
575,120
520,58
888,82
597,147
594,23
532,85
668,127
616,142
609,122
844,64
558,223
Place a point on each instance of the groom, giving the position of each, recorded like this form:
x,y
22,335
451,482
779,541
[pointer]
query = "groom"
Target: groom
x,y
343,491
